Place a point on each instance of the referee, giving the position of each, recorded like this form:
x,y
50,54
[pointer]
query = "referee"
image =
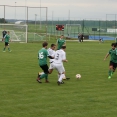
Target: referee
x,y
3,34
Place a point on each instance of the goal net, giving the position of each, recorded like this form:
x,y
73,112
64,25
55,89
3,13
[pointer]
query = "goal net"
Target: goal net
x,y
18,33
73,29
36,37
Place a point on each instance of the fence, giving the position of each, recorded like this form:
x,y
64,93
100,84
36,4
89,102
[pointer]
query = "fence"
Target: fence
x,y
92,29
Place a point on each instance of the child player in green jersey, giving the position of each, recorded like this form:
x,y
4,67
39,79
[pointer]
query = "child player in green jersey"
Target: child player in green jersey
x,y
6,40
113,61
60,42
42,57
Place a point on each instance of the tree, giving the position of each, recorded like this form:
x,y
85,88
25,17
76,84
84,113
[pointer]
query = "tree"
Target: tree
x,y
2,20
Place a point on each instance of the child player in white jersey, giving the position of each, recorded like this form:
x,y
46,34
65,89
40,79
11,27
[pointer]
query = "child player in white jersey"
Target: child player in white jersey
x,y
59,58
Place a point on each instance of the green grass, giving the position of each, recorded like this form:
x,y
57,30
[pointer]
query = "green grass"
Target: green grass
x,y
91,96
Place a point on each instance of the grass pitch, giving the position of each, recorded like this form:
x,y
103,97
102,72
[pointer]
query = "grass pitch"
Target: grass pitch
x,y
91,96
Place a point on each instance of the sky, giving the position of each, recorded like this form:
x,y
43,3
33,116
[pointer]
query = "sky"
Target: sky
x,y
64,9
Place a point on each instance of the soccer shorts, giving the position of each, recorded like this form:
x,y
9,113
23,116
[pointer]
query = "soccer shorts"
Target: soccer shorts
x,y
113,64
50,67
59,67
6,43
44,68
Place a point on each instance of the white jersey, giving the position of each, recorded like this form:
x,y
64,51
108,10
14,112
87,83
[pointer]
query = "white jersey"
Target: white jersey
x,y
60,55
51,53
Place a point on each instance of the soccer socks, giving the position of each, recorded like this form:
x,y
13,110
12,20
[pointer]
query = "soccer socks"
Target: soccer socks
x,y
109,72
8,49
44,76
61,77
4,49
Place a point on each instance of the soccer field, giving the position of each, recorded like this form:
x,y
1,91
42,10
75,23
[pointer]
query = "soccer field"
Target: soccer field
x,y
94,95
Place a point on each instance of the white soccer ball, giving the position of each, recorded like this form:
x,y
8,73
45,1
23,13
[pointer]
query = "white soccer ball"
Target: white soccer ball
x,y
78,76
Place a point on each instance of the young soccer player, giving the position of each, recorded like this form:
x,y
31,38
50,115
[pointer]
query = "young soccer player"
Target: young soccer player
x,y
51,52
42,56
6,40
60,42
113,61
59,58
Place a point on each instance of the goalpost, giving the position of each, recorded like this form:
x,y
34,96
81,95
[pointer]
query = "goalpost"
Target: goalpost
x,y
18,32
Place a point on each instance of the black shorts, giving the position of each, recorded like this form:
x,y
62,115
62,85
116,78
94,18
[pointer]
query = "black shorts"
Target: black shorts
x,y
113,64
45,68
4,35
6,43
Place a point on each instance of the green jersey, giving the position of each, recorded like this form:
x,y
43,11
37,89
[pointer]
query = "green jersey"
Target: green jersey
x,y
60,43
7,38
113,54
42,56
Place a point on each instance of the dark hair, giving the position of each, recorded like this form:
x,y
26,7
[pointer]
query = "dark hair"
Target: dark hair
x,y
52,45
44,44
114,44
63,47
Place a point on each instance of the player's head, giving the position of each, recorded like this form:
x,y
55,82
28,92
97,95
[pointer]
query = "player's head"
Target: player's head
x,y
53,46
45,44
114,45
63,47
62,36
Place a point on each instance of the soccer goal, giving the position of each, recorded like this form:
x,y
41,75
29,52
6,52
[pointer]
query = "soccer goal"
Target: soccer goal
x,y
18,33
73,29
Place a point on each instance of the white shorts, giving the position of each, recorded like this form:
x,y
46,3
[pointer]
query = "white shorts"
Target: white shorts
x,y
50,67
59,67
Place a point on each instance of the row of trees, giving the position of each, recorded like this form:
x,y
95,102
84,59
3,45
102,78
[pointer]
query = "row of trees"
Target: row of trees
x,y
87,23
2,20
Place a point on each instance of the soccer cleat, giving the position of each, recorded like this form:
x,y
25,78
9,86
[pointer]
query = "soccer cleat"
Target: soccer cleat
x,y
62,82
47,81
58,83
10,50
4,51
112,73
67,78
38,80
109,77
64,78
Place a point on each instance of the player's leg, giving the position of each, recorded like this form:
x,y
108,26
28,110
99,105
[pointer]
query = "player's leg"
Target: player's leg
x,y
9,48
60,78
5,45
61,71
45,70
110,70
114,67
51,67
65,78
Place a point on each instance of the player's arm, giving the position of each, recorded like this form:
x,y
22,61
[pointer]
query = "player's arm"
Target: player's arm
x,y
57,44
64,43
49,56
106,56
64,58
